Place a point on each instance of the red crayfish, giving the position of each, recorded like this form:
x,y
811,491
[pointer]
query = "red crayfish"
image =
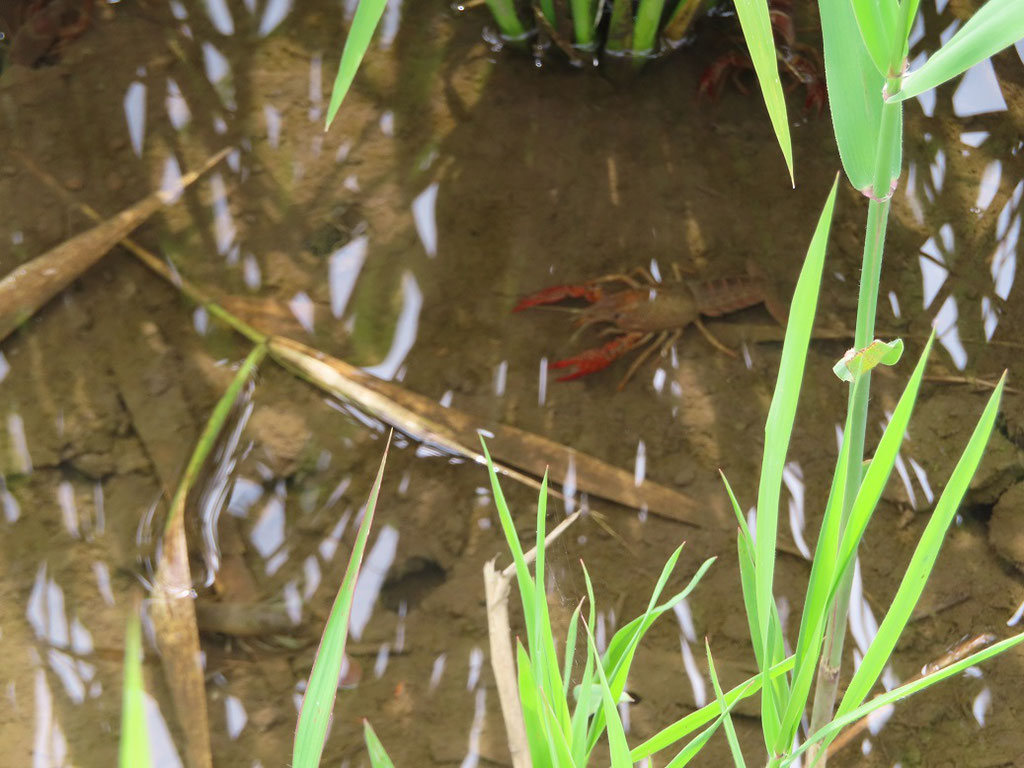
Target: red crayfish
x,y
638,310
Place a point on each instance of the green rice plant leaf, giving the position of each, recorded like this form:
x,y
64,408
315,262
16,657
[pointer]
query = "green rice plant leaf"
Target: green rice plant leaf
x,y
757,31
581,745
856,362
616,733
364,23
996,25
877,21
504,13
547,7
530,700
854,93
318,702
778,429
683,727
693,748
645,29
133,749
730,730
378,755
523,577
680,21
922,561
908,10
817,603
570,650
841,721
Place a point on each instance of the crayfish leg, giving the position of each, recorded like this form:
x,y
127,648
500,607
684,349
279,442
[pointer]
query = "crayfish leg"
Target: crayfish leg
x,y
663,338
713,341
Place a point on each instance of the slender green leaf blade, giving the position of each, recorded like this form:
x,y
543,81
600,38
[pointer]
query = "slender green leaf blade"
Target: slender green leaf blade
x,y
318,702
529,699
364,23
730,730
877,21
996,25
616,733
922,561
854,92
133,749
778,430
757,31
378,755
841,721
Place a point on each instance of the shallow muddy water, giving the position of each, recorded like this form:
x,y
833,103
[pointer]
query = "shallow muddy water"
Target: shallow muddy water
x,y
455,180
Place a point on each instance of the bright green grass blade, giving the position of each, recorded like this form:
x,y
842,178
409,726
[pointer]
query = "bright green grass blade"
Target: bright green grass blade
x,y
877,474
523,578
854,92
745,552
317,704
378,755
842,721
558,748
616,734
996,25
581,745
645,29
529,699
908,10
757,31
698,743
778,429
584,22
922,561
817,603
877,21
570,650
730,730
683,727
544,655
133,749
364,23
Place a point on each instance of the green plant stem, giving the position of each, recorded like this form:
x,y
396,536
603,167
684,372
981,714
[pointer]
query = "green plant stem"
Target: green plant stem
x,y
827,683
583,14
504,13
645,30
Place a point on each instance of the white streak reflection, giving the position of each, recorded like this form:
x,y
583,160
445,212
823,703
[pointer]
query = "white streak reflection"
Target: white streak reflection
x,y
234,716
50,745
405,330
273,14
303,309
176,106
640,468
102,574
685,618
437,671
501,378
697,684
793,477
424,215
542,382
380,663
267,534
894,303
273,120
569,486
989,185
978,92
945,323
68,509
472,758
981,705
389,24
371,579
922,479
224,230
135,114
170,182
476,663
316,87
219,14
343,268
218,72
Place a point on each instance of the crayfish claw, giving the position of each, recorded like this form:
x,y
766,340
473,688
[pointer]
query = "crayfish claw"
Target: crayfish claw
x,y
556,293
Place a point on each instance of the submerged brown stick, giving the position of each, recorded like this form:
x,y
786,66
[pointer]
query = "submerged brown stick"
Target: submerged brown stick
x,y
31,285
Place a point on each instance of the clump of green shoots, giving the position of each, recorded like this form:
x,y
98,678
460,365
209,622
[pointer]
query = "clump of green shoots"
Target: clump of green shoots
x,y
620,27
